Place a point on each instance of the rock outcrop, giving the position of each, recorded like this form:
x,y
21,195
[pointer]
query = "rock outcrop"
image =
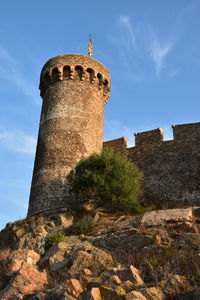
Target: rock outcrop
x,y
154,256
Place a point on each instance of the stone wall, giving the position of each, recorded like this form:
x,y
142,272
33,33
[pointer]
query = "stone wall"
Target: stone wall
x,y
74,89
118,144
171,168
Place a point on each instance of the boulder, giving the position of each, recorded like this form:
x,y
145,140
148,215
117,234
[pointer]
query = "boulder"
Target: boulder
x,y
62,220
87,256
27,280
94,294
113,281
19,257
81,260
28,233
57,256
87,272
123,243
132,274
74,287
159,217
77,256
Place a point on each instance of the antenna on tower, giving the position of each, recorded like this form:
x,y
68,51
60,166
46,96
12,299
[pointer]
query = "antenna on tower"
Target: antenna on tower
x,y
90,50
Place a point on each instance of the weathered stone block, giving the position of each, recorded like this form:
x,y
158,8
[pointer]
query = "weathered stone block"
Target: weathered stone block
x,y
158,217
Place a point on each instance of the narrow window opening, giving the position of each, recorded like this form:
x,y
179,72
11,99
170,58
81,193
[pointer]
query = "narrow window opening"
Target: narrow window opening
x,y
91,74
55,74
100,78
66,72
78,71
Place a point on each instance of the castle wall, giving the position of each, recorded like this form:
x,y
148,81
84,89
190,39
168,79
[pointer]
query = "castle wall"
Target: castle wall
x,y
74,89
119,145
149,137
171,168
186,133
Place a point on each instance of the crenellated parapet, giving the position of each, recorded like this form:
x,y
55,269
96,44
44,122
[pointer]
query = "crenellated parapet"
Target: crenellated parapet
x,y
149,137
119,145
75,67
183,134
171,168
74,89
186,133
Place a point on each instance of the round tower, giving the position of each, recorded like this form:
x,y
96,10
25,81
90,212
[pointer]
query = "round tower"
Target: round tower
x,y
74,89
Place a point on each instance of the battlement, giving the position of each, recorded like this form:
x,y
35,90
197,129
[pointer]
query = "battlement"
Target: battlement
x,y
149,137
119,145
170,168
74,89
186,133
183,134
75,67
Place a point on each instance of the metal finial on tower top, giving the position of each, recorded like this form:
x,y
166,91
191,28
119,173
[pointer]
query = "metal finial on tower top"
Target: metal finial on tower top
x,y
90,50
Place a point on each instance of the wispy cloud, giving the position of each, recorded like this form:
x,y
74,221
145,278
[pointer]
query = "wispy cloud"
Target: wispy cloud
x,y
159,52
17,141
10,71
125,22
128,44
138,46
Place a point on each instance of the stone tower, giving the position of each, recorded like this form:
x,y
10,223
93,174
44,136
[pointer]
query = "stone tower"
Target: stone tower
x,y
74,89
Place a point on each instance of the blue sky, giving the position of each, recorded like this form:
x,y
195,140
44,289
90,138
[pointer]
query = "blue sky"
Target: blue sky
x,y
152,49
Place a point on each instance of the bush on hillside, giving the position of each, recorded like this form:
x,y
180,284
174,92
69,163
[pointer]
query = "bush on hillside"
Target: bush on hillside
x,y
85,225
106,180
53,239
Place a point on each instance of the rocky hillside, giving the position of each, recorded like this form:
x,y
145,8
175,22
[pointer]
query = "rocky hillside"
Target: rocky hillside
x,y
153,256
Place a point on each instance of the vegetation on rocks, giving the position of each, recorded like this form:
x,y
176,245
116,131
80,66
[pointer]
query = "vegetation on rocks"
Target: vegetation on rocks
x,y
53,238
152,256
106,180
85,225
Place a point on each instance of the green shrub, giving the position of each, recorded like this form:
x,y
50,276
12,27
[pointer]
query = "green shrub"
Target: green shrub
x,y
106,180
85,225
53,239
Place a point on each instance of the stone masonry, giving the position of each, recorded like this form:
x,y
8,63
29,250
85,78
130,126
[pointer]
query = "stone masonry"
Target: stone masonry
x,y
74,89
171,168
